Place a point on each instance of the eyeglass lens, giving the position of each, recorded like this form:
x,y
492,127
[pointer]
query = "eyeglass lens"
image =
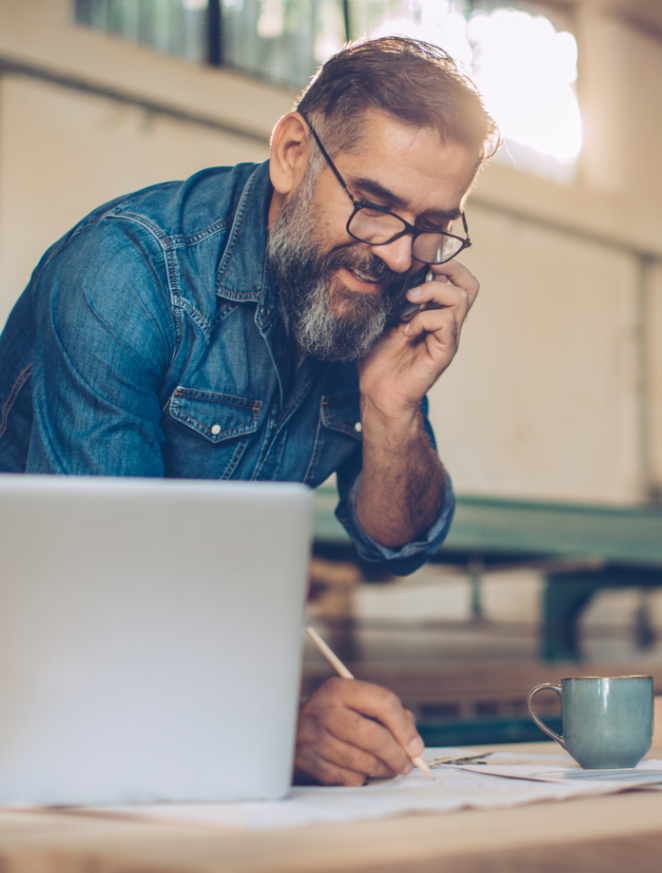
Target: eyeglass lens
x,y
375,227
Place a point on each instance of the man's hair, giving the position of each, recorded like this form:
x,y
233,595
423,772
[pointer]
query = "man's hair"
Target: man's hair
x,y
414,82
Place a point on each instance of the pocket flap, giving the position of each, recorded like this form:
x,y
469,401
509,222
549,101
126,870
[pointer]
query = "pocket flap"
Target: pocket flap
x,y
216,416
342,412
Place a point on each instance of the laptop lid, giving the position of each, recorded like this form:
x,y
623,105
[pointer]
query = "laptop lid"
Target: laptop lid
x,y
150,638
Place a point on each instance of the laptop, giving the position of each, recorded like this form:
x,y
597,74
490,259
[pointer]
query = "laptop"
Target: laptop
x,y
150,638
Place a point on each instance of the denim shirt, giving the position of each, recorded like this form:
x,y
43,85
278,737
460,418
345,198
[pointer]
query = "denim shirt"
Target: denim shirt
x,y
149,342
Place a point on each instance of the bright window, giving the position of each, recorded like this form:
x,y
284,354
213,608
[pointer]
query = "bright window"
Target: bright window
x,y
174,26
524,66
525,69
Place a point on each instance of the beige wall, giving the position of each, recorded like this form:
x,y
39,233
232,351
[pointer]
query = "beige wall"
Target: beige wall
x,y
622,91
619,185
545,399
43,32
542,397
552,394
654,375
63,153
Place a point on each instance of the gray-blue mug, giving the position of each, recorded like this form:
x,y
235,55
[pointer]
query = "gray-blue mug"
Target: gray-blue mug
x,y
607,721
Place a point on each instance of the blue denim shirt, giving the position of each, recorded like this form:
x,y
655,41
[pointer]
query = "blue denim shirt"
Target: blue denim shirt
x,y
149,342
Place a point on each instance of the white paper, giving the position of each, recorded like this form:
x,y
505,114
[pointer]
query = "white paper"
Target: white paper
x,y
523,780
646,773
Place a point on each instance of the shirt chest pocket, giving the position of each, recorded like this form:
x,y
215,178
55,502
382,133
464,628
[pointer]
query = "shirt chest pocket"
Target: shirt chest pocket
x,y
218,427
338,435
342,413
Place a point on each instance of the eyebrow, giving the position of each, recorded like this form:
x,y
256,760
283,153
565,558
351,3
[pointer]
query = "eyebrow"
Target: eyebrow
x,y
373,188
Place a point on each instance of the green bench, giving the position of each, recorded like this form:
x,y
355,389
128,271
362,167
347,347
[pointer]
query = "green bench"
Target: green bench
x,y
583,549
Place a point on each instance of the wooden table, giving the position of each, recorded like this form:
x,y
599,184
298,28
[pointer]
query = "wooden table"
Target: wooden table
x,y
595,835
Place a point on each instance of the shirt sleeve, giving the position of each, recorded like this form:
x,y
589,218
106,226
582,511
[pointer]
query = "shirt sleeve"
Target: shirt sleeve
x,y
105,336
409,557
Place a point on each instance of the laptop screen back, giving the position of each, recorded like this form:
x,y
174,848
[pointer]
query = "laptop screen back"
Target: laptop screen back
x,y
150,638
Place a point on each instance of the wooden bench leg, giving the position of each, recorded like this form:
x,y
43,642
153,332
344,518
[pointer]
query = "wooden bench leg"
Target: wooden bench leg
x,y
565,599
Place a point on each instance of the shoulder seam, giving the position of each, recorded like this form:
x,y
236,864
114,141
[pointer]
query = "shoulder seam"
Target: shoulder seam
x,y
15,391
168,246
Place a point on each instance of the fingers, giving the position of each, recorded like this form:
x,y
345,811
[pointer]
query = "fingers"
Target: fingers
x,y
385,707
448,303
333,762
443,323
453,285
349,730
373,737
317,770
459,275
441,294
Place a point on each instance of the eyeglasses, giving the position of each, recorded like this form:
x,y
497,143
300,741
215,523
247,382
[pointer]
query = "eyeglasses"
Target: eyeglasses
x,y
378,227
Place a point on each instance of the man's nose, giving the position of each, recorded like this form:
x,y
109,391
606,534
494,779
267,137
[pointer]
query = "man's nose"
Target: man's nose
x,y
397,254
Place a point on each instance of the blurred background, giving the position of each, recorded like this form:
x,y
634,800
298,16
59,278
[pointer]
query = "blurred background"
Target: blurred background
x,y
550,419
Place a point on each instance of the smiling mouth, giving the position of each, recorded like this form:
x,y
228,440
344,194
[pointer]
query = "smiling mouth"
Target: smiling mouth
x,y
361,276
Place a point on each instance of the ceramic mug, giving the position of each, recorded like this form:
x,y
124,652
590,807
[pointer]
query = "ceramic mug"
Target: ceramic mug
x,y
607,722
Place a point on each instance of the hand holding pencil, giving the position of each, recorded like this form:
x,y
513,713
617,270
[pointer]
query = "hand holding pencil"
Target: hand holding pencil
x,y
349,730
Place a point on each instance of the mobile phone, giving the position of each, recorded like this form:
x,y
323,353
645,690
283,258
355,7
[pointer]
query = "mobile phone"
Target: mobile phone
x,y
409,310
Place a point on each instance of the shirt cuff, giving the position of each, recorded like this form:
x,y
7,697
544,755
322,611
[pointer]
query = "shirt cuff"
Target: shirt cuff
x,y
405,559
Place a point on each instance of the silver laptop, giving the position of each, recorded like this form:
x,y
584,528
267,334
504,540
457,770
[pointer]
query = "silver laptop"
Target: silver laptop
x,y
150,638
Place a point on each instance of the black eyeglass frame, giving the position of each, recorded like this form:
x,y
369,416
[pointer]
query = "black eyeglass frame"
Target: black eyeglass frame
x,y
408,228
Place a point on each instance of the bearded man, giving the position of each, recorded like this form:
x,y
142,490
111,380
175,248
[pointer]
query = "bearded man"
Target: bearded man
x,y
245,324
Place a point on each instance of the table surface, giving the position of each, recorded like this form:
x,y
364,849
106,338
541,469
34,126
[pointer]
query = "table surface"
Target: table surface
x,y
616,833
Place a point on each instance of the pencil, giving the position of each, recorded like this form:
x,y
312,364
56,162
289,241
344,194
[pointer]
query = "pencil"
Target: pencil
x,y
340,668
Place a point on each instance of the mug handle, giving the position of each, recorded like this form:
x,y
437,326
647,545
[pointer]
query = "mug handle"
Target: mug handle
x,y
529,702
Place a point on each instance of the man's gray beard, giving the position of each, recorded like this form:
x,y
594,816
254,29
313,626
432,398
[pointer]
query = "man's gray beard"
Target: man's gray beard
x,y
303,276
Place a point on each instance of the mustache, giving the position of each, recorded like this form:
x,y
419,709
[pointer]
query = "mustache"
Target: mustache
x,y
374,269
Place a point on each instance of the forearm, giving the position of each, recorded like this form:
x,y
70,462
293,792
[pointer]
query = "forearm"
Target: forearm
x,y
402,482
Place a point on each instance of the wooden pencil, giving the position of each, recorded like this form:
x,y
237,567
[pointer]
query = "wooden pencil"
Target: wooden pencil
x,y
340,668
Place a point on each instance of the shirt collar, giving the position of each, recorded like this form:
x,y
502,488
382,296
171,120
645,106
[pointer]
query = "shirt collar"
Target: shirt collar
x,y
243,274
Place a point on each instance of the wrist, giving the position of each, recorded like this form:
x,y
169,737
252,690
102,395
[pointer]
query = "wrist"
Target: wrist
x,y
400,423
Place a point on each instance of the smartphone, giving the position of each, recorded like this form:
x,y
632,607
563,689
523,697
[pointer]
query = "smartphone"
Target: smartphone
x,y
409,310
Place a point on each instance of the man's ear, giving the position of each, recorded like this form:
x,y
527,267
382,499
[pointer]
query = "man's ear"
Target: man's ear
x,y
289,153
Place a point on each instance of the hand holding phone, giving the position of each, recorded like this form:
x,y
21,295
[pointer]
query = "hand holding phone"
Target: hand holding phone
x,y
409,309
401,369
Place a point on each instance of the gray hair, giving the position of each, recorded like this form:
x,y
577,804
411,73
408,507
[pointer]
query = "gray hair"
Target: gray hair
x,y
413,81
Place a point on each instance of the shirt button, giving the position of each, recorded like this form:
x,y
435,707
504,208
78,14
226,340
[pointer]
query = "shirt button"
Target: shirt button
x,y
216,429
358,427
265,312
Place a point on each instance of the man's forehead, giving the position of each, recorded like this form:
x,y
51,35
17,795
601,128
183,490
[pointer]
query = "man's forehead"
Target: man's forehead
x,y
402,165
